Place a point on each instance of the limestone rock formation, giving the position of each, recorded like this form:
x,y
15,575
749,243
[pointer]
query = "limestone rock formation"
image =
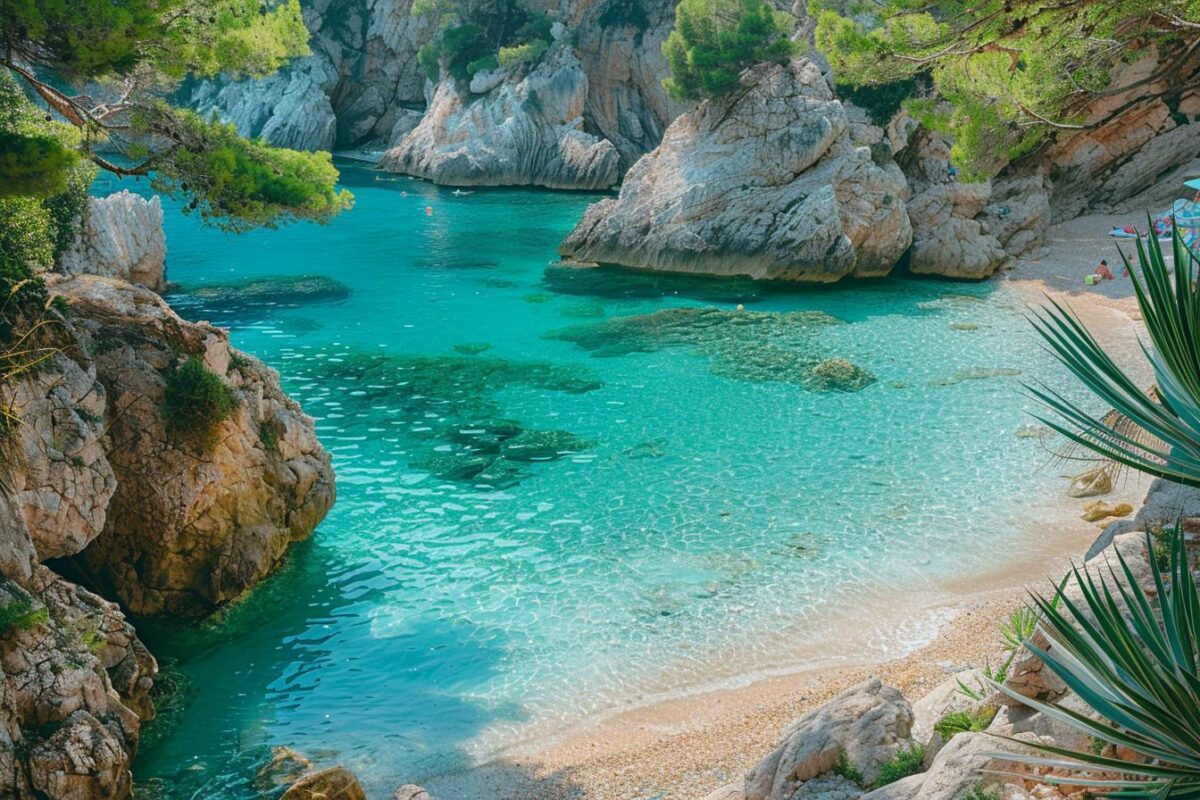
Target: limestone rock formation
x,y
187,531
625,67
527,129
768,183
289,109
867,723
963,230
120,236
360,79
74,694
60,478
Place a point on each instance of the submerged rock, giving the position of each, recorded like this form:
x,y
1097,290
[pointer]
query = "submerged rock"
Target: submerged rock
x,y
472,348
975,374
543,445
335,783
741,345
280,290
840,375
768,183
120,236
631,284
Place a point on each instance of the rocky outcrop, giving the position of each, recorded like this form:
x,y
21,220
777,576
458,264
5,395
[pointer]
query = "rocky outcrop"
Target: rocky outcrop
x,y
963,230
120,236
527,129
186,531
768,183
361,77
289,109
864,726
74,694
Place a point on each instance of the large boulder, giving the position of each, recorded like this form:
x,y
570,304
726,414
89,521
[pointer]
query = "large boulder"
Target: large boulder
x,y
74,694
185,530
523,129
866,725
767,183
120,236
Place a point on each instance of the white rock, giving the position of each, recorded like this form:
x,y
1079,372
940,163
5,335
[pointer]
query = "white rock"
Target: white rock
x,y
121,236
767,183
868,722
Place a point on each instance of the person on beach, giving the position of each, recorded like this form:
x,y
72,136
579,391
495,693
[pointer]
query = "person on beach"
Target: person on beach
x,y
1104,272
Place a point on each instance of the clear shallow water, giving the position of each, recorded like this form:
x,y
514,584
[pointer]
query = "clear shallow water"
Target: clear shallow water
x,y
716,514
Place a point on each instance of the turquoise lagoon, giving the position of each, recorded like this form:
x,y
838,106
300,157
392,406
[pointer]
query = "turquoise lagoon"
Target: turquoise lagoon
x,y
716,516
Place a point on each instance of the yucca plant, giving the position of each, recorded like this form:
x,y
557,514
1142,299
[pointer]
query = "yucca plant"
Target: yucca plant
x,y
1160,430
1134,661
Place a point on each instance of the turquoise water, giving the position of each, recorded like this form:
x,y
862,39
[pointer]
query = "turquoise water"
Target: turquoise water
x,y
703,510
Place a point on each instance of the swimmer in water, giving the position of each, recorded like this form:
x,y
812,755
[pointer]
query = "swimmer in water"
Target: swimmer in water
x,y
429,211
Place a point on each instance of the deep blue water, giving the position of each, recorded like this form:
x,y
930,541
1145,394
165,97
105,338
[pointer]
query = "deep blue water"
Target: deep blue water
x,y
716,513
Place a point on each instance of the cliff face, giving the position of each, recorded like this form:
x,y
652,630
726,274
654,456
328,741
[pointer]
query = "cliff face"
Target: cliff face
x,y
578,119
90,473
186,531
771,183
361,76
527,130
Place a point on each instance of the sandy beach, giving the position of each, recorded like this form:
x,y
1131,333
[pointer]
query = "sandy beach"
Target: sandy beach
x,y
683,747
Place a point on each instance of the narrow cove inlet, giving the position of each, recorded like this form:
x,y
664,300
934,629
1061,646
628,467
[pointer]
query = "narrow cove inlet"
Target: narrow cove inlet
x,y
566,491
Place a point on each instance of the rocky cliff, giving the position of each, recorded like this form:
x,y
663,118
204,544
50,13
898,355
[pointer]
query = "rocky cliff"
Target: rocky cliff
x,y
576,119
527,129
89,473
362,75
771,183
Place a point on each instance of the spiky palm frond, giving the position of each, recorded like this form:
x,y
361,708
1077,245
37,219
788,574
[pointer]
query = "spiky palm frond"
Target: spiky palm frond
x,y
1133,660
1160,434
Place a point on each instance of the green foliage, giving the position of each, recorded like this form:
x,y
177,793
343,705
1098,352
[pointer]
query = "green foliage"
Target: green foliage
x,y
26,240
35,154
1018,627
1168,443
624,14
715,40
978,791
242,183
20,611
1161,538
476,36
908,760
138,51
880,101
195,401
94,38
526,53
66,209
1009,71
957,722
842,767
1131,655
268,436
